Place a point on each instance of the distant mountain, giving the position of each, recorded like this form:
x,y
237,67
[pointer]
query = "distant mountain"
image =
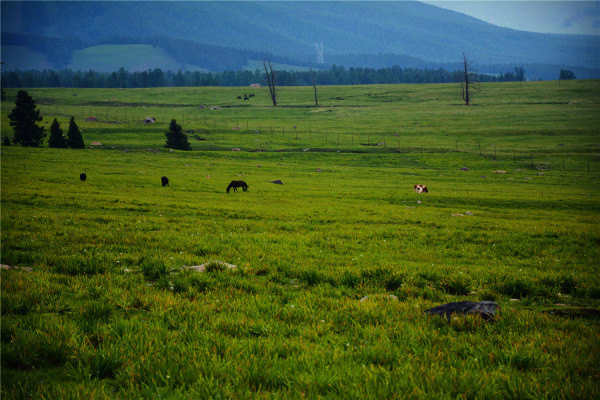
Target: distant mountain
x,y
350,31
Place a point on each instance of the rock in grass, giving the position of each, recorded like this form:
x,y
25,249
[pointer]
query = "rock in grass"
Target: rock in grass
x,y
486,309
5,266
212,266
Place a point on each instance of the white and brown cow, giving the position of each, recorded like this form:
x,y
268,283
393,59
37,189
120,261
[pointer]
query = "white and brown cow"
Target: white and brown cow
x,y
421,189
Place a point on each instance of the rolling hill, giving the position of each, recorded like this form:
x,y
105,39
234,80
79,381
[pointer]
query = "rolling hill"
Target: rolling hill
x,y
353,33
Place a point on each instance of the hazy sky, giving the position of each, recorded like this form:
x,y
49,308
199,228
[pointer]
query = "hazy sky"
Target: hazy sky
x,y
571,17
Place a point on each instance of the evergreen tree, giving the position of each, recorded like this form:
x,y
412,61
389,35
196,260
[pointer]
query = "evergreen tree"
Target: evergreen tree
x,y
176,139
24,118
57,139
566,74
74,138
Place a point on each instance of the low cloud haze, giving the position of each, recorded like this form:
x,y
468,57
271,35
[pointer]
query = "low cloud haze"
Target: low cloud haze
x,y
566,17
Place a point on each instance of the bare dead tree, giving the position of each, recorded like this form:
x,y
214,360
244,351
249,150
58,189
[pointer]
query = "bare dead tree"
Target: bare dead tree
x,y
271,81
467,79
314,79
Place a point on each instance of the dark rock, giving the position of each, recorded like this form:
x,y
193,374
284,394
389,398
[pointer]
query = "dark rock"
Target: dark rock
x,y
487,309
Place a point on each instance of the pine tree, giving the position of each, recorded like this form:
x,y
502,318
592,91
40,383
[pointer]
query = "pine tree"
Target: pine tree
x,y
24,118
57,139
176,139
74,138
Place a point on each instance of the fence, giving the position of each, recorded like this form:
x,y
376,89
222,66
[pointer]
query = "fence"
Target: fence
x,y
305,138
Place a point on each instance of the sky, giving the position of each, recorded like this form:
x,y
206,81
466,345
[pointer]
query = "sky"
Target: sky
x,y
567,17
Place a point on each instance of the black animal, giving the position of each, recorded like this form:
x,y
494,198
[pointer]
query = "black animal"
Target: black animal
x,y
165,181
83,177
239,97
246,97
237,184
251,95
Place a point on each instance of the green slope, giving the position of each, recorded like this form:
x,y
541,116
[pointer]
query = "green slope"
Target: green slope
x,y
291,29
133,57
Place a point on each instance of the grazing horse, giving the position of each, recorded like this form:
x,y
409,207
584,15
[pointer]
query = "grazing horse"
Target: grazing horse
x,y
165,181
237,184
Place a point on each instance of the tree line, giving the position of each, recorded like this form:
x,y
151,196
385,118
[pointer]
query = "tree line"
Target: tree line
x,y
25,116
336,75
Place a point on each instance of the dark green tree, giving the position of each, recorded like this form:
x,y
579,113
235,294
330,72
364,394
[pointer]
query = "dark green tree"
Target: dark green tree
x,y
520,74
57,139
176,139
74,138
178,79
566,74
24,118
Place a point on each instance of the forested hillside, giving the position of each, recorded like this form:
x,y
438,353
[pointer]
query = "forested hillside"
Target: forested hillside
x,y
373,34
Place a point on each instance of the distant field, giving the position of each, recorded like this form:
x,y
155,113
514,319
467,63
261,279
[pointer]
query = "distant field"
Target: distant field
x,y
133,57
334,267
258,64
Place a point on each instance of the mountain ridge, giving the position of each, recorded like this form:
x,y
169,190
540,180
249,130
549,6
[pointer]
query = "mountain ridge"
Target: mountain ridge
x,y
290,29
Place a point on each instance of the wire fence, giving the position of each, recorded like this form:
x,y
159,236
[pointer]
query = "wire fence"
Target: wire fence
x,y
203,122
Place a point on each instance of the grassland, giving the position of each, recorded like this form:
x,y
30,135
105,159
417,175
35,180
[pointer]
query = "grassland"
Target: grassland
x,y
134,57
334,267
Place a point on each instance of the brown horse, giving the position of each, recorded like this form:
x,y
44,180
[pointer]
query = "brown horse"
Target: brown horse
x,y
237,184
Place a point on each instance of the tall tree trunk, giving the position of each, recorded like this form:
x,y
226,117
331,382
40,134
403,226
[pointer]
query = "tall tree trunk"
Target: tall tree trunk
x,y
271,81
315,87
466,81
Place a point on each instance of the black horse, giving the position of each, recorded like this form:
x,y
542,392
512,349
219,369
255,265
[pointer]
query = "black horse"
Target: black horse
x,y
237,184
165,181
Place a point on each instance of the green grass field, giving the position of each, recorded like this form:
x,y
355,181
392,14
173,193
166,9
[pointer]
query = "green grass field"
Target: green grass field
x,y
334,267
134,57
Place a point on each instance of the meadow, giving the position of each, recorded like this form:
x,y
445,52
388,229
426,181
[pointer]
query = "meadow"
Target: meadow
x,y
334,267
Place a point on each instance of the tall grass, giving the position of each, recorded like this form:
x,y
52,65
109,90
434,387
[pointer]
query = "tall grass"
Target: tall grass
x,y
334,268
